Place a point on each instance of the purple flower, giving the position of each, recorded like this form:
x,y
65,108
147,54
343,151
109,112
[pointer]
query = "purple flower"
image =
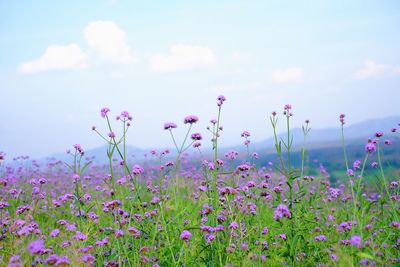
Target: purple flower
x,y
196,136
190,119
137,169
370,148
287,107
197,144
220,100
388,142
233,225
356,164
209,237
245,134
62,260
341,118
320,238
355,240
169,126
111,134
88,258
134,231
80,236
54,233
243,167
281,211
185,235
264,231
350,172
35,247
379,134
125,116
4,204
104,112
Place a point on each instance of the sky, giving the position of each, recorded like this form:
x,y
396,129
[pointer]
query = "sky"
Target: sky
x,y
62,61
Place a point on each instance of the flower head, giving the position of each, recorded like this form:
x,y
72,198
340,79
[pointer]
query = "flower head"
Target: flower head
x,y
35,247
137,169
370,148
196,136
190,119
104,111
169,126
220,100
185,235
281,211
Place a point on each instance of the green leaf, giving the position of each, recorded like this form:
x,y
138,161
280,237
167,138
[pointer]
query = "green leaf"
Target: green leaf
x,y
365,255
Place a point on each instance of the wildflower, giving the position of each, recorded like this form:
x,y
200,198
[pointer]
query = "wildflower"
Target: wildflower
x,y
220,100
379,134
4,204
54,233
196,136
264,231
281,211
356,164
80,236
245,134
388,142
243,167
75,178
370,148
88,258
125,116
231,248
320,238
355,240
137,169
111,134
341,118
350,172
62,260
185,235
134,231
234,225
104,111
287,107
35,247
190,119
197,144
169,126
209,238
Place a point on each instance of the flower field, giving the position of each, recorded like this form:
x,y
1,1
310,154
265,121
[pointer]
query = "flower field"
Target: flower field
x,y
185,207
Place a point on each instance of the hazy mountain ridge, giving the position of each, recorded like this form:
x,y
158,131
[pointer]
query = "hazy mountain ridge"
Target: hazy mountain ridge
x,y
356,135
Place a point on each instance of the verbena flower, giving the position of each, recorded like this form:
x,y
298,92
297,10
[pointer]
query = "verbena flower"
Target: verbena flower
x,y
190,119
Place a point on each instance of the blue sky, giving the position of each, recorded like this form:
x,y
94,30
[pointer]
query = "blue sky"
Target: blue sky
x,y
61,62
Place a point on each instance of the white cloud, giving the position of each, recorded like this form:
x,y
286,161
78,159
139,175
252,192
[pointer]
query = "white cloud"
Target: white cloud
x,y
57,57
240,56
287,75
373,69
183,57
108,41
370,69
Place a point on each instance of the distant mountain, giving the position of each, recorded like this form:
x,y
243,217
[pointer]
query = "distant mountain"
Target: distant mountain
x,y
331,137
319,140
100,154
